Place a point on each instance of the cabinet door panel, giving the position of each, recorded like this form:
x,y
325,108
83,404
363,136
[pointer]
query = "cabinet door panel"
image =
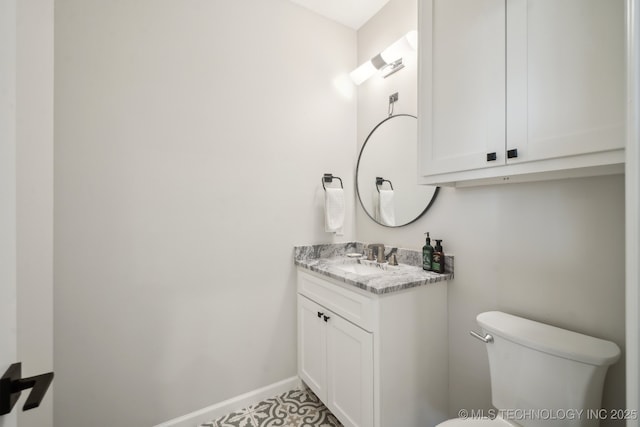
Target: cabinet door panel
x,y
462,84
312,347
565,77
350,369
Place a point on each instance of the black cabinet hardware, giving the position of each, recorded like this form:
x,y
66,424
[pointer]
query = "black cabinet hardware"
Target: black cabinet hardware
x,y
12,384
320,314
491,157
326,318
513,153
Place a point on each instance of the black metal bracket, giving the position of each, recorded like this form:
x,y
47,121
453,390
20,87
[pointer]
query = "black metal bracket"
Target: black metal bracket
x,y
12,384
380,181
328,178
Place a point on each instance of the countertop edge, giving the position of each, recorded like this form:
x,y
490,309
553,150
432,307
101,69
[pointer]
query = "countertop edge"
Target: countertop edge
x,y
376,291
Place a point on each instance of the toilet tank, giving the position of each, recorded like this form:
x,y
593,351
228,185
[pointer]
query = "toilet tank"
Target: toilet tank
x,y
540,372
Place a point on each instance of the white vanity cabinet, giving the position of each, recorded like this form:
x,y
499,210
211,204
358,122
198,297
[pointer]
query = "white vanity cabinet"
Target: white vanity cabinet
x,y
520,89
374,360
336,362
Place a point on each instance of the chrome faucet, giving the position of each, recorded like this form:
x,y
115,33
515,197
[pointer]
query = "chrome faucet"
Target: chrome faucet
x,y
379,251
393,259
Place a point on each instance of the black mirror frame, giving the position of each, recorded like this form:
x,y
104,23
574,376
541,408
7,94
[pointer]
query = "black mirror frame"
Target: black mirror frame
x,y
433,198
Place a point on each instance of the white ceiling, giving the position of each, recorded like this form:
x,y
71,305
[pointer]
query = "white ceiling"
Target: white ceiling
x,y
352,13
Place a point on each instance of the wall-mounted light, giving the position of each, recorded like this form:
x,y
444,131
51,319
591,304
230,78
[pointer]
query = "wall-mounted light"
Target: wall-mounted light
x,y
389,60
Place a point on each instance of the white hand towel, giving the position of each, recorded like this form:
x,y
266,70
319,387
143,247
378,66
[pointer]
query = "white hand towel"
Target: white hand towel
x,y
387,212
334,208
375,199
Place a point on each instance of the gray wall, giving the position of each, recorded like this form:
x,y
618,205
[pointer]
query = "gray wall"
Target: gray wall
x,y
191,137
34,198
8,297
552,251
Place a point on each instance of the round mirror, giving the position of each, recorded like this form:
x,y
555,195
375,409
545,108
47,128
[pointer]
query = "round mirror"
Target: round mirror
x,y
387,173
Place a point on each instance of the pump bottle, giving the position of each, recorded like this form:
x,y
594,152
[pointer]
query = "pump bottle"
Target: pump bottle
x,y
437,263
427,254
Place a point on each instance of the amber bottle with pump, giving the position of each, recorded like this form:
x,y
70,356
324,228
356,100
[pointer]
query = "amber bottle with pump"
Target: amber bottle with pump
x,y
427,254
437,263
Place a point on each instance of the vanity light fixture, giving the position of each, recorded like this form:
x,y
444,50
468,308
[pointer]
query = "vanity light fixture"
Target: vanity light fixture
x,y
394,67
389,60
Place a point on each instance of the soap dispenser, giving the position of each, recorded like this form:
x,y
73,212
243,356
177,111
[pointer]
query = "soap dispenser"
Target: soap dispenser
x,y
437,262
427,254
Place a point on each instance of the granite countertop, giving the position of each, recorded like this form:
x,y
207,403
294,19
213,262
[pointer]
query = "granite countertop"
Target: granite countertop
x,y
331,260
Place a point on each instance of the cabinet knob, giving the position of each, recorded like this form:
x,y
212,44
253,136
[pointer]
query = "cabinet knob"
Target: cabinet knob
x,y
326,318
511,154
491,157
320,314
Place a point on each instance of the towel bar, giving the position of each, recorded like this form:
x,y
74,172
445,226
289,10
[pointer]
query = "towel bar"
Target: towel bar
x,y
328,178
380,181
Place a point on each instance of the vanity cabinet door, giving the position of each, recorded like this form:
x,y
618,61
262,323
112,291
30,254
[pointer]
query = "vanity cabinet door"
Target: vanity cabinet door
x,y
350,372
462,85
335,359
565,77
312,346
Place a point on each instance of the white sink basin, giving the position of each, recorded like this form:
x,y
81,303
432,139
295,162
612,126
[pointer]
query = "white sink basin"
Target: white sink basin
x,y
360,269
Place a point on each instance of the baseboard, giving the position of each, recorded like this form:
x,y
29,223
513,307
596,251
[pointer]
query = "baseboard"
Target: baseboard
x,y
209,413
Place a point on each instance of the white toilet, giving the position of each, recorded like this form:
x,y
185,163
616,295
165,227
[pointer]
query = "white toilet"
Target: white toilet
x,y
541,375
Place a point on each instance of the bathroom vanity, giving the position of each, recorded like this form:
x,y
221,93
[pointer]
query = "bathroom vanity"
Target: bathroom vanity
x,y
372,338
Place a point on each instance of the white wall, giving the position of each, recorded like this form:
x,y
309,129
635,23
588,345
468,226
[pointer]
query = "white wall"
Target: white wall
x,y
552,251
393,21
190,139
8,315
34,198
632,211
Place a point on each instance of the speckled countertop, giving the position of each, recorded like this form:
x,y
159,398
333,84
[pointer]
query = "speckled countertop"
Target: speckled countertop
x,y
331,260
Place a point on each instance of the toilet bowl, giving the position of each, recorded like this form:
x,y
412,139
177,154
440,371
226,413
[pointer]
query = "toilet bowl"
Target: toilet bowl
x,y
563,371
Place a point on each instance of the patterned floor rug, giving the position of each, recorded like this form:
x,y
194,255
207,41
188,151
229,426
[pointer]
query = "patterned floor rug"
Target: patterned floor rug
x,y
295,408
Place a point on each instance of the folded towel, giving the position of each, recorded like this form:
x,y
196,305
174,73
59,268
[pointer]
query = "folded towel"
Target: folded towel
x,y
386,208
375,200
334,208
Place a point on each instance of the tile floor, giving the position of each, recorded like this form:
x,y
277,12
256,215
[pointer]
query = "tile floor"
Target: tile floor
x,y
295,408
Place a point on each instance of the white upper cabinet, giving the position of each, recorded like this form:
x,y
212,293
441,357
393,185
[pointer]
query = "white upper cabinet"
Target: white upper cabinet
x,y
462,94
520,90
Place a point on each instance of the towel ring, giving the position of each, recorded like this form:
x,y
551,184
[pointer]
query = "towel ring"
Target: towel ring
x,y
328,178
380,181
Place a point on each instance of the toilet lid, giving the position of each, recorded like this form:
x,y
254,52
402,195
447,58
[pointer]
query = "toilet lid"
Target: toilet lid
x,y
473,422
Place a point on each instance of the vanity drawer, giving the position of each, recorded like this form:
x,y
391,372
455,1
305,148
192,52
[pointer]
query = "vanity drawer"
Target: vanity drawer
x,y
350,305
